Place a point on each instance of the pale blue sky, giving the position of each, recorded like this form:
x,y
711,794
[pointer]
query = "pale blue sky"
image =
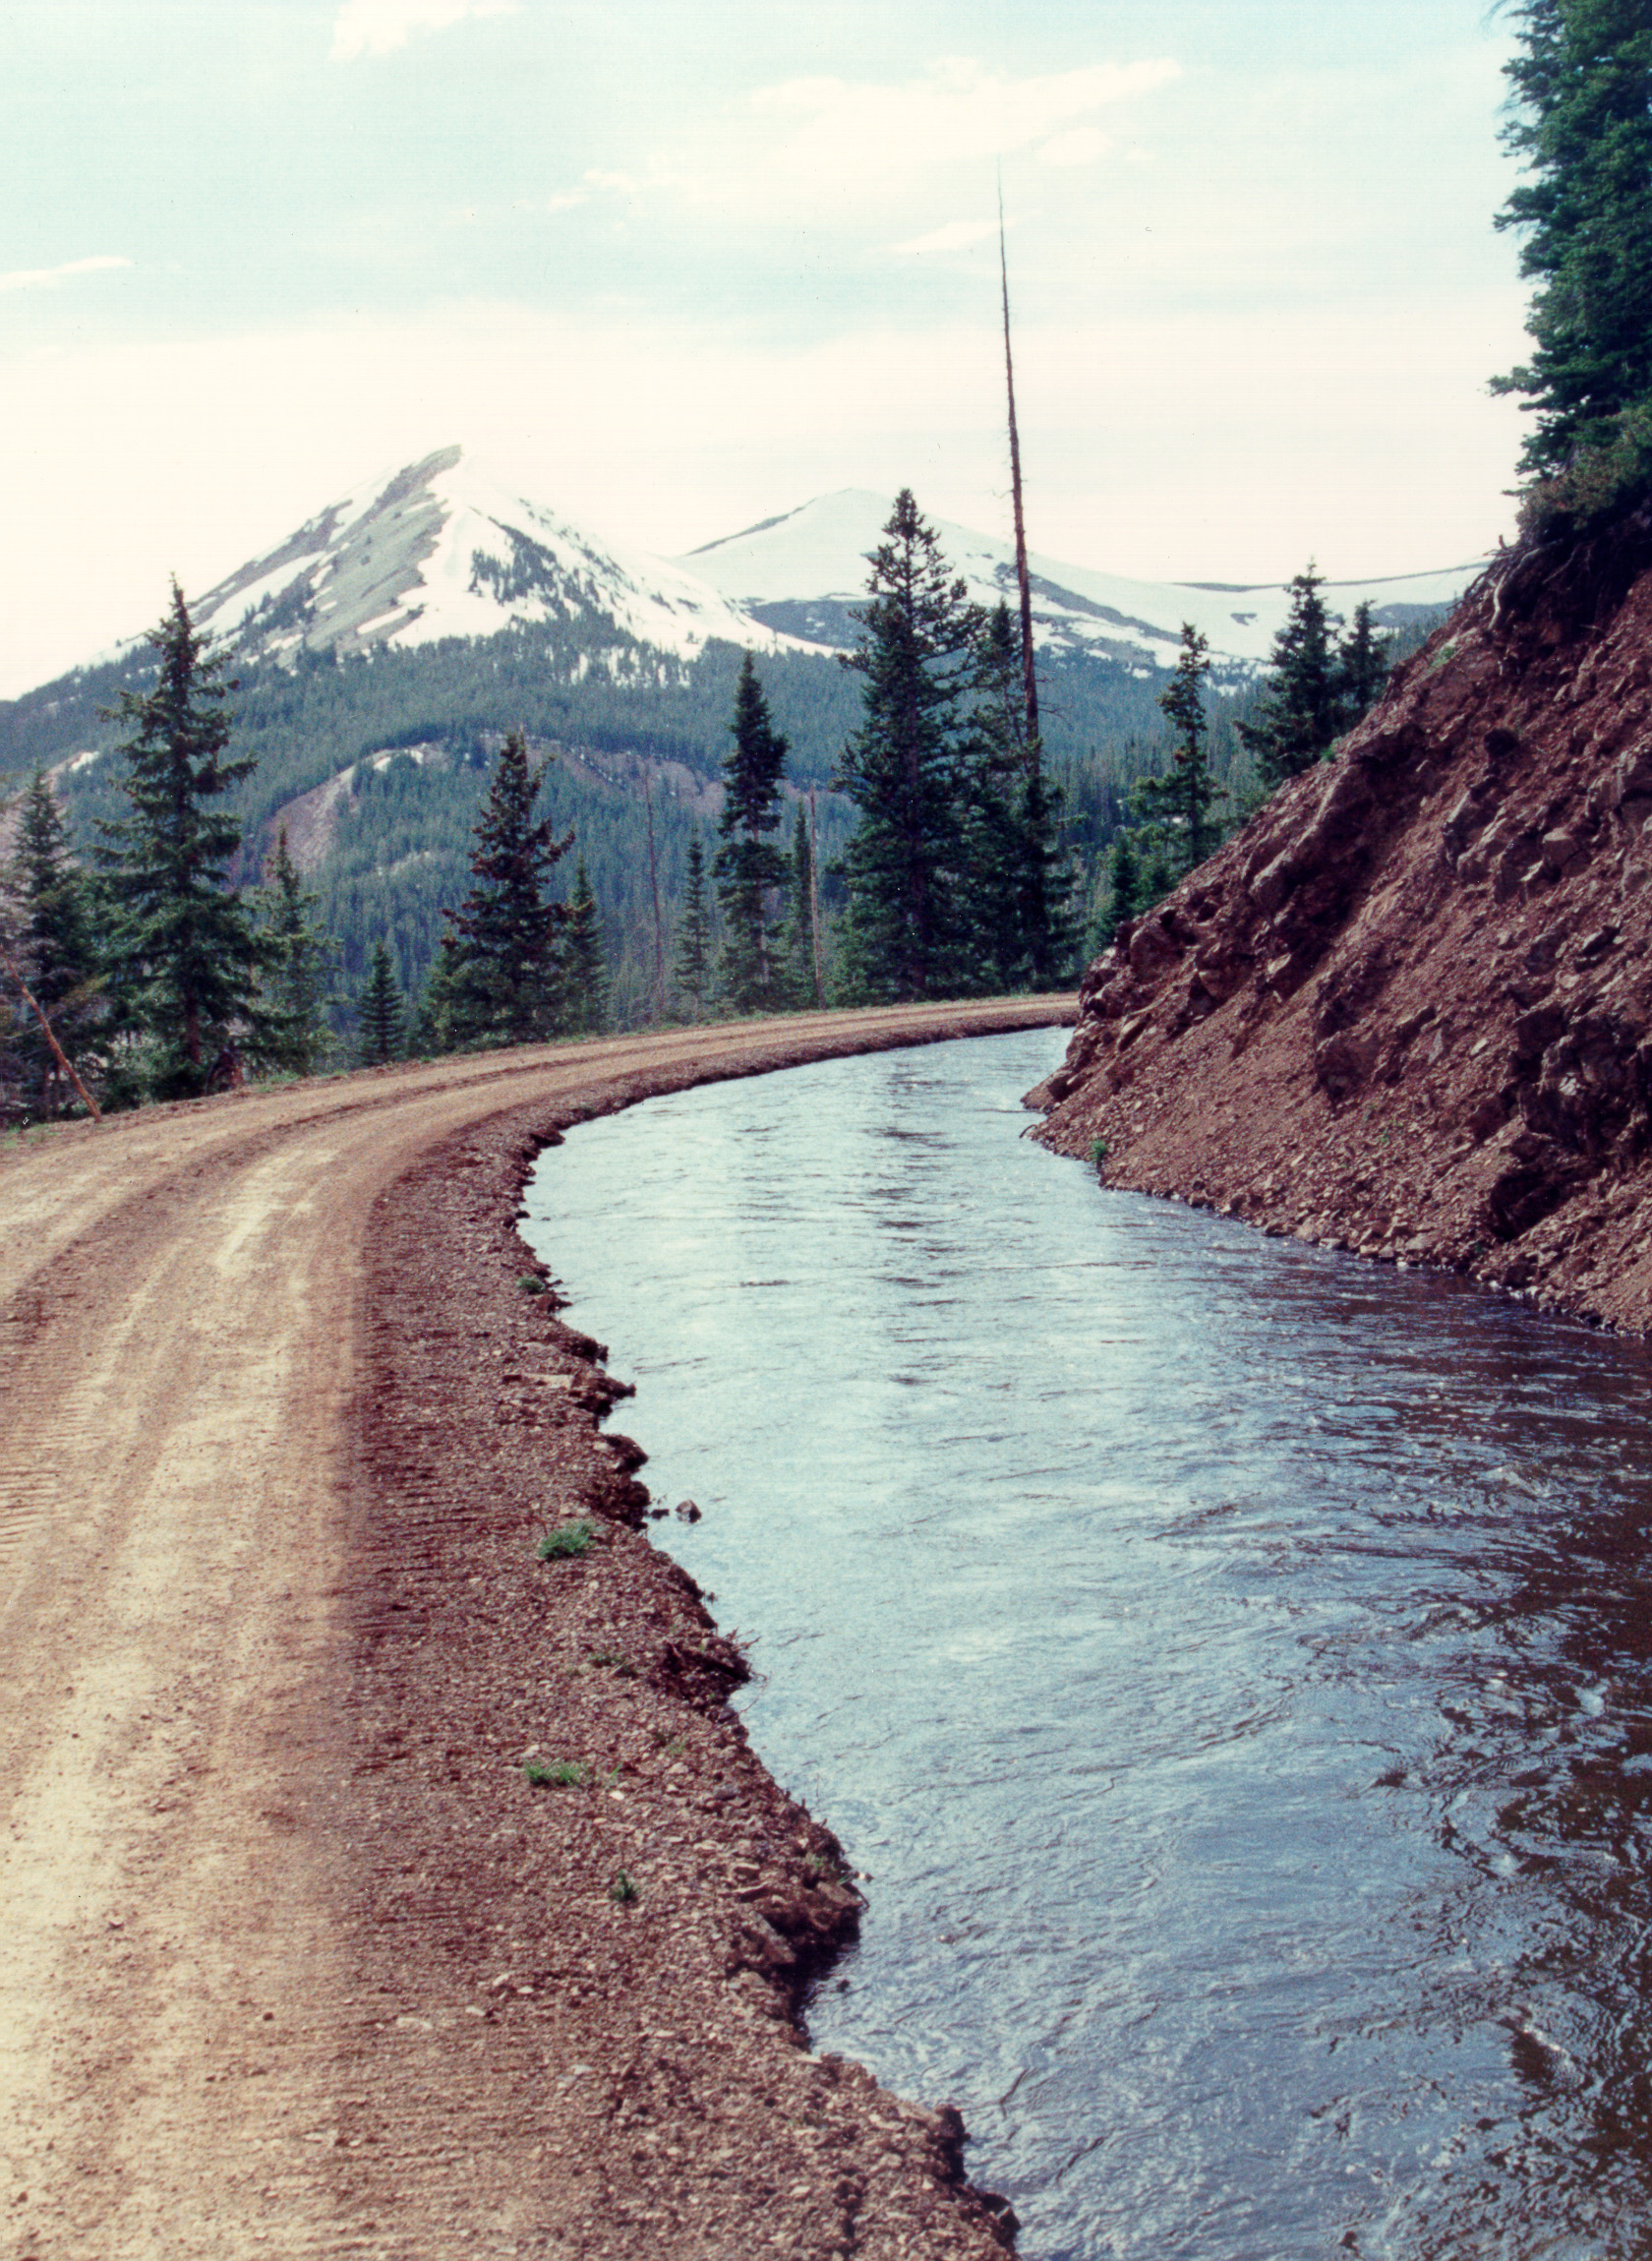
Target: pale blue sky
x,y
686,266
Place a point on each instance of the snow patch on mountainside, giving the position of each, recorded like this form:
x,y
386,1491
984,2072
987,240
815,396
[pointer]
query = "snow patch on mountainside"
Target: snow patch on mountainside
x,y
807,567
443,549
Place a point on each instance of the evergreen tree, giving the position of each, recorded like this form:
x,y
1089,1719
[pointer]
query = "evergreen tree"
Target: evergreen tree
x,y
801,986
692,971
1582,85
1182,799
435,1021
748,866
296,981
380,1012
585,977
186,961
1128,894
993,849
919,638
1018,875
507,936
1364,658
55,946
1301,711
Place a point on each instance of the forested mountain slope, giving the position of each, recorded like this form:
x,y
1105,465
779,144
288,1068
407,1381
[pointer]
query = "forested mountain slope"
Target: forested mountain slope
x,y
384,648
1408,1008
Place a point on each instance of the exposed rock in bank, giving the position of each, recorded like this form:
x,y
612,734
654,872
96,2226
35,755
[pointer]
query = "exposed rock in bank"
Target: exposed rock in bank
x,y
1408,1009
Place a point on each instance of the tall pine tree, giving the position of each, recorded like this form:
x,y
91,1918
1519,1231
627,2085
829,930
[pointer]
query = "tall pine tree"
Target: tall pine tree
x,y
186,961
1582,87
584,975
1184,798
506,961
749,868
297,1037
692,970
380,1012
1301,711
55,950
920,635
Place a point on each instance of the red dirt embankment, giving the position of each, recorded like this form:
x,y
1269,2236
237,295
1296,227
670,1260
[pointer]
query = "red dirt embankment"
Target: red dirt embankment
x,y
1406,1009
294,1956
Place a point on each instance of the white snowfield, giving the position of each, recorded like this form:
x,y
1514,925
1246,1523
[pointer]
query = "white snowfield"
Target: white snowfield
x,y
819,553
442,549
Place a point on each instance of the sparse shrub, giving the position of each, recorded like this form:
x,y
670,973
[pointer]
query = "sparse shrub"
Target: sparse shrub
x,y
623,1890
1097,1152
567,1539
530,1284
557,1773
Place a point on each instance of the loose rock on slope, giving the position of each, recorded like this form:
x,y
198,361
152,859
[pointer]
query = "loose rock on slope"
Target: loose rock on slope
x,y
1406,1009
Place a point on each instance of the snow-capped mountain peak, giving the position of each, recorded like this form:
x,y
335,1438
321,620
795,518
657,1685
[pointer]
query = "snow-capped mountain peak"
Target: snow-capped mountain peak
x,y
443,548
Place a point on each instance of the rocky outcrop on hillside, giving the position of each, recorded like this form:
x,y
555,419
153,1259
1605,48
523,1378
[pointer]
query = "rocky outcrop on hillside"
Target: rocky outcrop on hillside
x,y
1408,1009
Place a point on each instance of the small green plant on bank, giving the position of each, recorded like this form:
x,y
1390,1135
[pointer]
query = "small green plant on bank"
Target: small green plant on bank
x,y
557,1773
615,1662
567,1539
622,1891
1097,1152
531,1283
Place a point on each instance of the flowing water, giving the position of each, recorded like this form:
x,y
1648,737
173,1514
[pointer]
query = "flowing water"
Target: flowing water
x,y
1228,1661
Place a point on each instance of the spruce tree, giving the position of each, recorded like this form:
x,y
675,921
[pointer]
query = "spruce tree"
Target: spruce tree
x,y
186,962
748,866
1182,800
1583,86
584,976
919,638
692,970
506,935
1301,710
1364,658
297,1037
801,986
380,1012
1127,898
1018,882
53,945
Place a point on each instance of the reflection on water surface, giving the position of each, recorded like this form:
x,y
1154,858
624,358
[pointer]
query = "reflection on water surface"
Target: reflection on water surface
x,y
1230,1661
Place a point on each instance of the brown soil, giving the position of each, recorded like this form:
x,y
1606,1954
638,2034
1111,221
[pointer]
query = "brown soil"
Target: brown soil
x,y
1406,1009
296,1959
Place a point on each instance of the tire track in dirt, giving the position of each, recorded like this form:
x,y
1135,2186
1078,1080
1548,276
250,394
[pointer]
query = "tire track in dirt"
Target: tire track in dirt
x,y
193,1847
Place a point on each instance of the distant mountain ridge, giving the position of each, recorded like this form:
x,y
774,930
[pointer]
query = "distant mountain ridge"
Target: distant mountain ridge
x,y
445,548
801,574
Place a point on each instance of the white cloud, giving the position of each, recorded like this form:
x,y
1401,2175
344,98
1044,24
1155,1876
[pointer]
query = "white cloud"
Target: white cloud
x,y
836,133
28,277
1081,147
379,27
957,235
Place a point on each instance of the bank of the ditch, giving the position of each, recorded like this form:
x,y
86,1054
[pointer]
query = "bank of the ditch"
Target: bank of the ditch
x,y
604,1908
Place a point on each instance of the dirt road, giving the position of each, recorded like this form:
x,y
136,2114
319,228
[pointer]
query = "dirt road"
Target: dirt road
x,y
250,1998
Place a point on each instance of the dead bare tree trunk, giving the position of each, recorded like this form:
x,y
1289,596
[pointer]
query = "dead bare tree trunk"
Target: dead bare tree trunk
x,y
1028,675
91,1107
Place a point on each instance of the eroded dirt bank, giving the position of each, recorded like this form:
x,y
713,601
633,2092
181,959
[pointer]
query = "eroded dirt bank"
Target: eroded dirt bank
x,y
296,1958
1408,1009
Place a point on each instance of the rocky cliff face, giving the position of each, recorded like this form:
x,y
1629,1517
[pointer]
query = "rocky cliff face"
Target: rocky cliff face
x,y
1408,1009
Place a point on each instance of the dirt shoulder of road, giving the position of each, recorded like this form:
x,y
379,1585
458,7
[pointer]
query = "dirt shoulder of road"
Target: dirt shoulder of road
x,y
374,1885
633,1934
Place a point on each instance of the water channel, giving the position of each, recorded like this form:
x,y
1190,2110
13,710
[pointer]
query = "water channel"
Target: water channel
x,y
1229,1662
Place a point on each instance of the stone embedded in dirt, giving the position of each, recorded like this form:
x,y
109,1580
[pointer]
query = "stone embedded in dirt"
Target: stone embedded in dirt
x,y
1418,985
